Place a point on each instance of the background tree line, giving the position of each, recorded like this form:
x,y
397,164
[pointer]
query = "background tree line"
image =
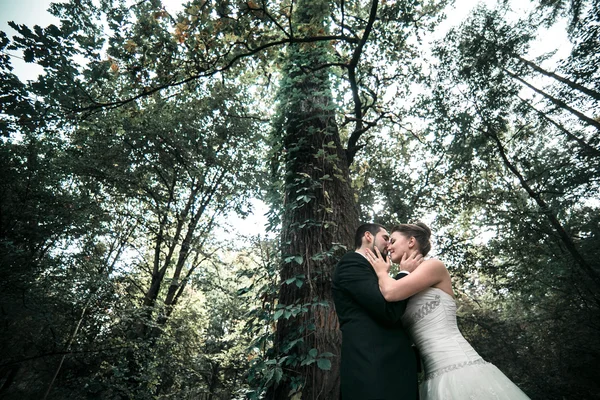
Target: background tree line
x,y
148,129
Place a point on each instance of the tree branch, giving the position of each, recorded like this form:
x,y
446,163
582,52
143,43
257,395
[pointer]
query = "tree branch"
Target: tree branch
x,y
351,148
208,72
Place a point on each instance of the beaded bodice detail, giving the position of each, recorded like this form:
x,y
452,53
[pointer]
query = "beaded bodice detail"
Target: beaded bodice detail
x,y
430,318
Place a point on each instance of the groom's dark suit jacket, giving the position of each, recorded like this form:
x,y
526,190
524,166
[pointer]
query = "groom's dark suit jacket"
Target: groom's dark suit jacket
x,y
377,359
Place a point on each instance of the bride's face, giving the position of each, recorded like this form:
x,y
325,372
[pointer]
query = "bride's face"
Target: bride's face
x,y
398,246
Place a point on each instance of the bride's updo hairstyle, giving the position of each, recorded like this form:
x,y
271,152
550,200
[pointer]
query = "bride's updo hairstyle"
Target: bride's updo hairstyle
x,y
419,231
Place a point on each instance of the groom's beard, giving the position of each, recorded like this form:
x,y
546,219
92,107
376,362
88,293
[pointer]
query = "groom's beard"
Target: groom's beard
x,y
383,253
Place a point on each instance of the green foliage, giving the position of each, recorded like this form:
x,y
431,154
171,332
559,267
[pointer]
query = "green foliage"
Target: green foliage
x,y
147,130
123,207
516,187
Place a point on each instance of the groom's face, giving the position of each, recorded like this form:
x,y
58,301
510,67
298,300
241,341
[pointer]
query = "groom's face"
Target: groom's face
x,y
381,241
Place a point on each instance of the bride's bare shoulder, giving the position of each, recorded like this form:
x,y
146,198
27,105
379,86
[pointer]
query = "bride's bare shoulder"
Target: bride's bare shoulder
x,y
433,262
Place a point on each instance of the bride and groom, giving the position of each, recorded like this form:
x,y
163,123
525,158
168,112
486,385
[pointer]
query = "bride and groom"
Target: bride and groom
x,y
379,324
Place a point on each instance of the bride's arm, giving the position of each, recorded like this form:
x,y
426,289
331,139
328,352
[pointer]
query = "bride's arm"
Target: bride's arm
x,y
429,273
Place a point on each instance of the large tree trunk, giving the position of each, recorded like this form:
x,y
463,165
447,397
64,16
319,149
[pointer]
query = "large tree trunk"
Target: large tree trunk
x,y
319,215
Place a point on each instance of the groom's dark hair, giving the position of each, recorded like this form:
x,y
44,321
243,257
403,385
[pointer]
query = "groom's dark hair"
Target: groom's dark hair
x,y
364,228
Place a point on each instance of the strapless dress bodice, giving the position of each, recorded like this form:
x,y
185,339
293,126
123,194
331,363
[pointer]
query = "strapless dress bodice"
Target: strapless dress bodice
x,y
453,369
430,318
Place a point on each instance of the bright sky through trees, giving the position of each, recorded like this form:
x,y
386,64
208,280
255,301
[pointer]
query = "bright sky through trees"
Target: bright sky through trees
x,y
34,12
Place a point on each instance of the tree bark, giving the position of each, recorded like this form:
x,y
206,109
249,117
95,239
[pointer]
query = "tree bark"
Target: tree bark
x,y
319,214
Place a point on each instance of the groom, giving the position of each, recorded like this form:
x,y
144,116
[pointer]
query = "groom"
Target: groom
x,y
377,362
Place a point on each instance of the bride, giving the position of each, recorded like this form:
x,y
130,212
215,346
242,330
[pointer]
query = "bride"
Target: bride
x,y
453,369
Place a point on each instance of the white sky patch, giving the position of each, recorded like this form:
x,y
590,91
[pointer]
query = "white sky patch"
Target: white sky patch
x,y
173,6
237,228
30,13
457,13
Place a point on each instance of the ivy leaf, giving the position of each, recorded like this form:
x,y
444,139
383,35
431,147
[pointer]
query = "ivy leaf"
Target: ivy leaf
x,y
278,374
269,375
277,315
324,364
318,257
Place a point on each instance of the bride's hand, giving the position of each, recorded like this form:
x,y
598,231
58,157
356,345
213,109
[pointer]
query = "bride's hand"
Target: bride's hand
x,y
410,263
377,261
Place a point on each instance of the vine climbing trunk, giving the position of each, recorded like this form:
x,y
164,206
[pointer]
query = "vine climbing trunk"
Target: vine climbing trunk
x,y
319,219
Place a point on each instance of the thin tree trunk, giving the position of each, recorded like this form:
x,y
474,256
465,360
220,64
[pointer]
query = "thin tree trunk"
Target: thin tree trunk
x,y
573,85
584,145
8,377
62,359
352,147
556,101
546,210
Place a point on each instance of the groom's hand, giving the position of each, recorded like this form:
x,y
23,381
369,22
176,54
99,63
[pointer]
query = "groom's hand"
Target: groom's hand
x,y
410,263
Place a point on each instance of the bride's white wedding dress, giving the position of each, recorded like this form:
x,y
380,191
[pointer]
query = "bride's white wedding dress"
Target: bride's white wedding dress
x,y
453,369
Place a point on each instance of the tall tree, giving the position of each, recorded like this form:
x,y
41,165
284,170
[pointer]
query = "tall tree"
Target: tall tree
x,y
319,211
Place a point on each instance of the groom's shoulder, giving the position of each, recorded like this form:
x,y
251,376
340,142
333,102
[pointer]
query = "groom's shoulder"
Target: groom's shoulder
x,y
345,262
351,257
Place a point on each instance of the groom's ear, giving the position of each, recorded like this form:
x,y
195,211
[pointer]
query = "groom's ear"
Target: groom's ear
x,y
369,236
